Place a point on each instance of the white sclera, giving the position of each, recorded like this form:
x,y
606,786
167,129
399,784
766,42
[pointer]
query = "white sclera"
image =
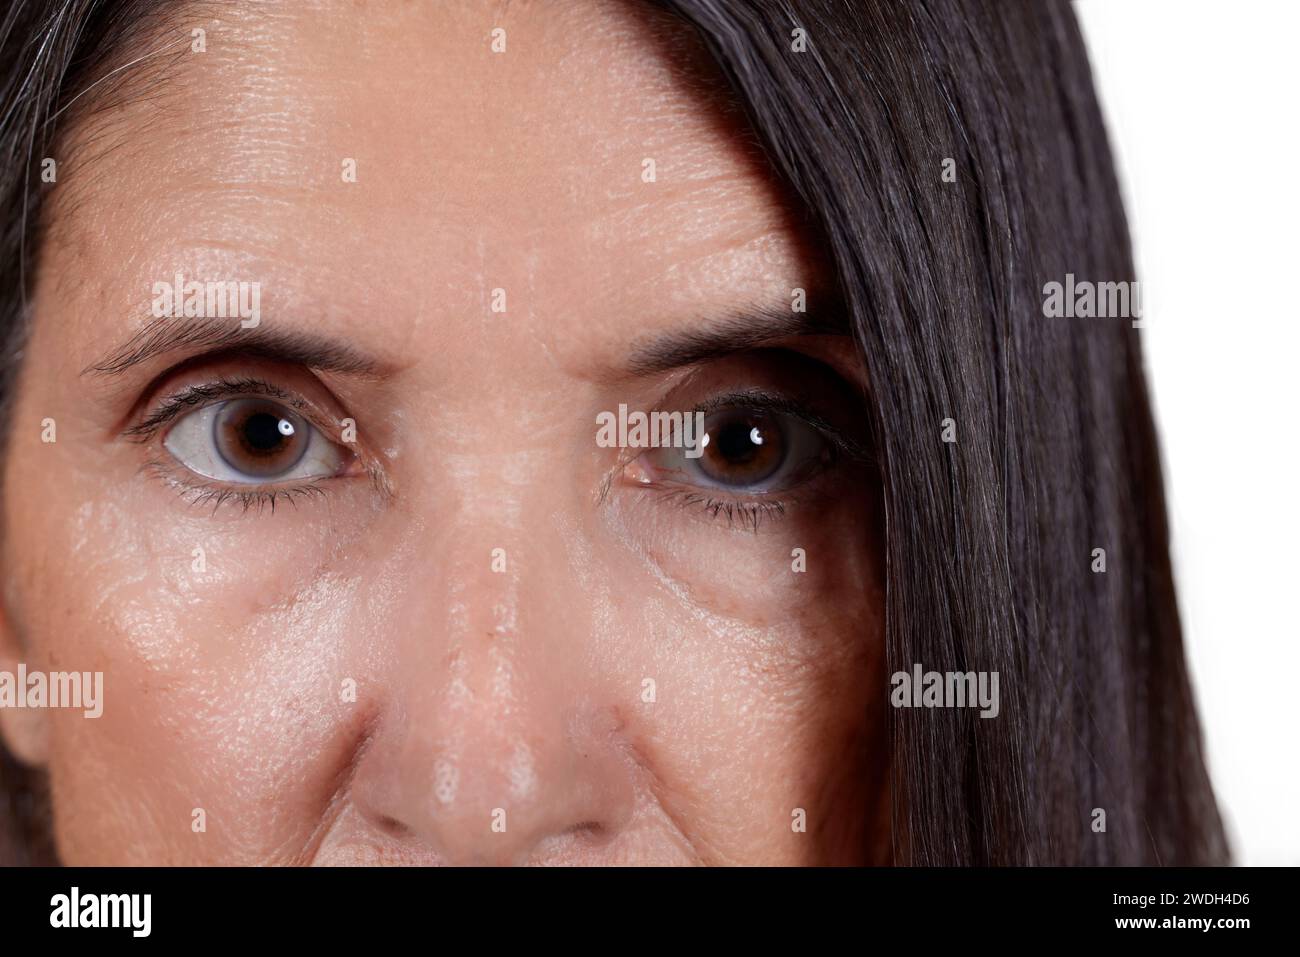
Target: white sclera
x,y
192,442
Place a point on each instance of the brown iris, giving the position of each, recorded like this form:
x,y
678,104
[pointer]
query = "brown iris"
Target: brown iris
x,y
260,438
742,447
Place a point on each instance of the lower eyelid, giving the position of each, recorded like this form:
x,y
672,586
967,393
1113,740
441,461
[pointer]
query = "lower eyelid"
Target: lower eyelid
x,y
728,511
255,499
824,485
197,490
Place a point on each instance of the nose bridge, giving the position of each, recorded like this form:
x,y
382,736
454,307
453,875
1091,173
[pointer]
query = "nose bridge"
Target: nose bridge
x,y
498,567
492,739
485,551
500,554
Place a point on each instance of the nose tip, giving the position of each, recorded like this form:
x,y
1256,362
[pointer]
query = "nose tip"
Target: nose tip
x,y
500,792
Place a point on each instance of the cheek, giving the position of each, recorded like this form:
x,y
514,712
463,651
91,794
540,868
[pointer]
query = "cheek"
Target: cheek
x,y
766,667
796,568
224,654
749,726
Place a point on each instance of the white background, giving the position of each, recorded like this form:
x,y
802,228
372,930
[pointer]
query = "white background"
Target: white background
x,y
1201,101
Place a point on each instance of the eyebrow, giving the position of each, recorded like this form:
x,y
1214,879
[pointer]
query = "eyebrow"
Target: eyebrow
x,y
169,334
749,329
745,330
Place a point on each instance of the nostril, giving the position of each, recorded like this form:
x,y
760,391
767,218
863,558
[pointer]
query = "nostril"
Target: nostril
x,y
392,827
587,833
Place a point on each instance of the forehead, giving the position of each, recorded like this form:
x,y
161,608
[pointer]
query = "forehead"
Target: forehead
x,y
401,162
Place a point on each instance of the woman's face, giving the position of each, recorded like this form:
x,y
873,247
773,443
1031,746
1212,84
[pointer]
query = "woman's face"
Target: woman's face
x,y
362,582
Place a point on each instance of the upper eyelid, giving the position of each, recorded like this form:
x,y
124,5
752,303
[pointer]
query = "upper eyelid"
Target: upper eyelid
x,y
197,396
767,401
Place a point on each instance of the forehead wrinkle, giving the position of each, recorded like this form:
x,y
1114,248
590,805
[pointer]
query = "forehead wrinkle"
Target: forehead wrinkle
x,y
117,106
694,228
159,115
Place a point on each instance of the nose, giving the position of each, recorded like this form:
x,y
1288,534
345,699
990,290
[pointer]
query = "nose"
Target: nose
x,y
477,784
494,743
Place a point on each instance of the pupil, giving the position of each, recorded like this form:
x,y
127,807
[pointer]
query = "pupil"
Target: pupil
x,y
262,433
736,442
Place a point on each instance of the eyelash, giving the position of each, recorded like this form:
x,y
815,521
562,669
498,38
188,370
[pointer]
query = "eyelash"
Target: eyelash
x,y
192,397
247,499
748,515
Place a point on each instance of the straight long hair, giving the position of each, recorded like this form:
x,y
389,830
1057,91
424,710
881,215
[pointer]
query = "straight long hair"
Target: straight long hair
x,y
954,156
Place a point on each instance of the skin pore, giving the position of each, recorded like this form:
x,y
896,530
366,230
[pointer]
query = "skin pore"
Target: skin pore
x,y
490,687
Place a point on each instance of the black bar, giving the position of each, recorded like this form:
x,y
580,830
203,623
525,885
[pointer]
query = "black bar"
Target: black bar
x,y
1059,905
